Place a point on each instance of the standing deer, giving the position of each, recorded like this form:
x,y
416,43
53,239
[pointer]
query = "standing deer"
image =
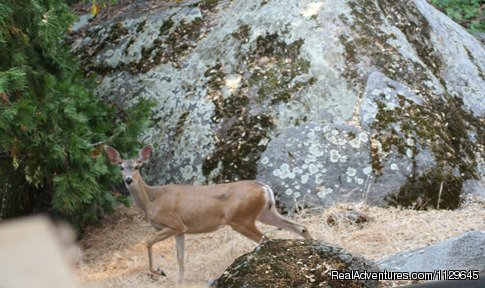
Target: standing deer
x,y
176,210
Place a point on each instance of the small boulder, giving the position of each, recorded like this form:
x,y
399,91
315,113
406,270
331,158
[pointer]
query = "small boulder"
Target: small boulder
x,y
351,216
295,263
465,252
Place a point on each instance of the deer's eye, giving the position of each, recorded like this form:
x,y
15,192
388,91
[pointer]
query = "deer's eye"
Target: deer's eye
x,y
137,167
122,168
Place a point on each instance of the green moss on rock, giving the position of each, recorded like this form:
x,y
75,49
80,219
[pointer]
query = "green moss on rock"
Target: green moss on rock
x,y
369,41
140,26
116,32
208,4
276,65
242,33
273,67
238,148
439,124
295,263
434,189
174,42
180,124
416,28
442,126
237,141
166,26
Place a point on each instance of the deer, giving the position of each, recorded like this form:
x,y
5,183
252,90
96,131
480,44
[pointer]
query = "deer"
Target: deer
x,y
178,209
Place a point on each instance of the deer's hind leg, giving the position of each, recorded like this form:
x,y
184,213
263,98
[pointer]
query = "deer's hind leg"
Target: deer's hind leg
x,y
249,230
272,217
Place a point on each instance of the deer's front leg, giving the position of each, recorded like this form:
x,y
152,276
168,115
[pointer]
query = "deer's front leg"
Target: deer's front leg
x,y
161,235
180,241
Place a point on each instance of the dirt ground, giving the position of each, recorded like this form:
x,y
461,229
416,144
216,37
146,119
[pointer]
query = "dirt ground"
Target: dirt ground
x,y
114,252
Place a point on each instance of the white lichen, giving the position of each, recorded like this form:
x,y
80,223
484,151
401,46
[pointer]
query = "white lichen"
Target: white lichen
x,y
315,150
233,82
359,181
410,142
409,153
312,9
367,170
335,156
351,171
187,172
312,168
323,192
355,143
297,170
263,142
319,178
284,174
363,137
304,178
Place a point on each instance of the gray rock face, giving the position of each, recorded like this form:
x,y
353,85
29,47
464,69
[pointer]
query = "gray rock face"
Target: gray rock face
x,y
313,163
474,187
466,252
326,101
296,263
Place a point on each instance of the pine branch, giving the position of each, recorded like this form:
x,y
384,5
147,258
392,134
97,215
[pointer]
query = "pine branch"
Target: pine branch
x,y
110,139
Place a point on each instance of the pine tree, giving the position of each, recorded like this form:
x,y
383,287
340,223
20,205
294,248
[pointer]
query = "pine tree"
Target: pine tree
x,y
52,126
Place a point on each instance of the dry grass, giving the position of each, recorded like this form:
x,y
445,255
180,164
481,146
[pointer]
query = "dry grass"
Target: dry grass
x,y
114,253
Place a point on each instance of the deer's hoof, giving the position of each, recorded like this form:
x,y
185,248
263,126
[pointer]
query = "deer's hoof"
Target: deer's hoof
x,y
157,273
160,272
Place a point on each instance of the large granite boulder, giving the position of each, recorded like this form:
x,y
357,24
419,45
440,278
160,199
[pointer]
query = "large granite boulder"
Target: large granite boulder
x,y
326,101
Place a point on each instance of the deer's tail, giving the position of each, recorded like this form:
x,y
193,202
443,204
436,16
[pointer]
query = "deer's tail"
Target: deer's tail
x,y
270,193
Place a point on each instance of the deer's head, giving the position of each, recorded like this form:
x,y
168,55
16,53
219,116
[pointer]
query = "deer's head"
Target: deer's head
x,y
130,169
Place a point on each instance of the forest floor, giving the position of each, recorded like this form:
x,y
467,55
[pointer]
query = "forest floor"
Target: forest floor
x,y
114,252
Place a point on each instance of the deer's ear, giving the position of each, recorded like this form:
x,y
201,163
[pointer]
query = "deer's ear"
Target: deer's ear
x,y
144,154
113,155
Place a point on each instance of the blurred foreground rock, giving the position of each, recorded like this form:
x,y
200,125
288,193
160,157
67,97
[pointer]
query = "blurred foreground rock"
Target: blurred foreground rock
x,y
294,263
32,255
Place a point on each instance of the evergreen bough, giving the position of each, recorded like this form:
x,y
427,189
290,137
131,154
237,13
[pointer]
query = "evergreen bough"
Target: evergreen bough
x,y
52,127
468,13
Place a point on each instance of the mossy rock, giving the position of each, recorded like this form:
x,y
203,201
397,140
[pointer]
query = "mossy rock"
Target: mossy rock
x,y
295,263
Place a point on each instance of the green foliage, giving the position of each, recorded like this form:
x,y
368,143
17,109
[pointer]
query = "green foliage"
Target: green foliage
x,y
468,13
52,127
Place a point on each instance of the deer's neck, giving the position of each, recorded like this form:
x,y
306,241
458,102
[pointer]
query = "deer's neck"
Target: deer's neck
x,y
139,191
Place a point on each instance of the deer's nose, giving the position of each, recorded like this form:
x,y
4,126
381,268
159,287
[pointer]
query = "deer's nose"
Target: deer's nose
x,y
128,180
